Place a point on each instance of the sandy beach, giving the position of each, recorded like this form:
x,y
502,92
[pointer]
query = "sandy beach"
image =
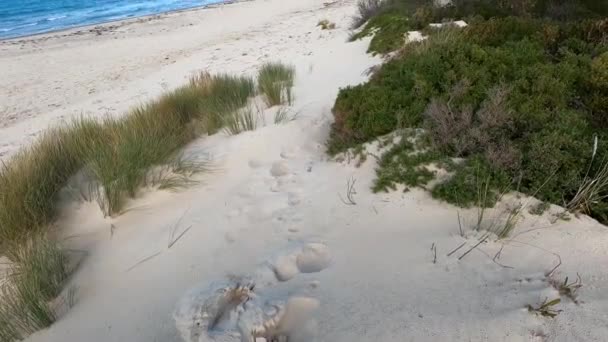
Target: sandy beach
x,y
107,69
275,210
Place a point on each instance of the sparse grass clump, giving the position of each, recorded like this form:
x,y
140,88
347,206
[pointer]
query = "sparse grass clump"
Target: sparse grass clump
x,y
275,82
518,99
326,24
241,120
284,115
546,308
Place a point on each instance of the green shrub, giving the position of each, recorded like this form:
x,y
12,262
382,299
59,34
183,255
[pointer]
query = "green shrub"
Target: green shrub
x,y
389,20
388,31
407,163
521,99
366,9
598,90
563,10
471,178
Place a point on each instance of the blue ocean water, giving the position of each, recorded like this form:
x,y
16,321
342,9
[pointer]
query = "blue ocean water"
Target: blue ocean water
x,y
26,17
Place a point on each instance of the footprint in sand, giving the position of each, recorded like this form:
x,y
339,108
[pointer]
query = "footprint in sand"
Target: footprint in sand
x,y
250,309
311,258
293,198
279,169
255,163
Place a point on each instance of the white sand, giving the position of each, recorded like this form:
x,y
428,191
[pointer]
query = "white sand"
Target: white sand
x,y
272,213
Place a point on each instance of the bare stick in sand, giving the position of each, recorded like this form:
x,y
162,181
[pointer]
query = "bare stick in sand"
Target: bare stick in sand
x,y
179,237
172,239
459,224
350,192
144,260
485,237
457,248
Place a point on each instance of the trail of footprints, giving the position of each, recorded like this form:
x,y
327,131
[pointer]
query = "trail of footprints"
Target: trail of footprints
x,y
257,308
273,193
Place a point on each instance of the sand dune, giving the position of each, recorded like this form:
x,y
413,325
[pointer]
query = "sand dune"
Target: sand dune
x,y
270,244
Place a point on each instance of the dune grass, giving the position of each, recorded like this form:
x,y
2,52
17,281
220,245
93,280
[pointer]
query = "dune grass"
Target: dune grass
x,y
243,119
117,153
225,95
35,277
117,157
275,82
31,179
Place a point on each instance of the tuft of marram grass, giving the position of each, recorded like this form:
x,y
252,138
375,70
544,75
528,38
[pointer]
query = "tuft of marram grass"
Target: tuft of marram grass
x,y
241,120
226,94
275,82
31,179
142,140
37,273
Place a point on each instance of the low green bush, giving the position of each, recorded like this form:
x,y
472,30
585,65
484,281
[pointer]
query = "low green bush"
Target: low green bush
x,y
520,99
366,9
389,20
387,30
474,182
408,163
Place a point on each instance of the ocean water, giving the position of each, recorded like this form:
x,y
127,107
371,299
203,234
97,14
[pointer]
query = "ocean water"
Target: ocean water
x,y
26,17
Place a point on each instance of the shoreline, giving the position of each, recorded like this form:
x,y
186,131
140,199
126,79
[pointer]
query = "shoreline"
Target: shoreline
x,y
50,78
104,26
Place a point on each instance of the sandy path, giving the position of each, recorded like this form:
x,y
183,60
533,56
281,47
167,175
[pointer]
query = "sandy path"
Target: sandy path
x,y
370,267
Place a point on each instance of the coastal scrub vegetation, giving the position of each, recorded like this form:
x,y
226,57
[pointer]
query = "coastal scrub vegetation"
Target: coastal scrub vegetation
x,y
517,99
387,21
